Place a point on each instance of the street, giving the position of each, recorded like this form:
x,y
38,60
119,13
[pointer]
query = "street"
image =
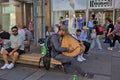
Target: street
x,y
103,63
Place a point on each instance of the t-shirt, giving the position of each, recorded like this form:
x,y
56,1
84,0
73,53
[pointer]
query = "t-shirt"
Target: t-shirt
x,y
110,26
16,41
97,30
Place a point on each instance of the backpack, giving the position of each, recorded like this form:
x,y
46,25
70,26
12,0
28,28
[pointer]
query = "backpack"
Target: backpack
x,y
47,57
100,29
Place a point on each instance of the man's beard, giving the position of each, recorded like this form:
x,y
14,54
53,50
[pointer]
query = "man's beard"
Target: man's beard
x,y
15,34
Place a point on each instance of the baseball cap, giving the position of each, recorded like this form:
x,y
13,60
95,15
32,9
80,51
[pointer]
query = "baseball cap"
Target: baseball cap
x,y
64,28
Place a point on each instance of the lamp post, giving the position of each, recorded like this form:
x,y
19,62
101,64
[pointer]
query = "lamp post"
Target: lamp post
x,y
43,18
35,14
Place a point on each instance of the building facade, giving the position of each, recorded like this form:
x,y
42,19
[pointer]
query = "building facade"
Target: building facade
x,y
74,10
47,13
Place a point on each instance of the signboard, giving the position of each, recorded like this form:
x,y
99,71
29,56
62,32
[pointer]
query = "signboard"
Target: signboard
x,y
98,4
59,5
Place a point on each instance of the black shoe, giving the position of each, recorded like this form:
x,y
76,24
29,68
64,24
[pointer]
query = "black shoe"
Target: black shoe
x,y
88,75
85,53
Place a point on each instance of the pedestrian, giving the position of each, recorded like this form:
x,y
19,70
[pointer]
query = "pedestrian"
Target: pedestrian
x,y
68,62
96,36
31,27
16,48
21,32
61,22
50,31
116,33
28,34
109,30
90,26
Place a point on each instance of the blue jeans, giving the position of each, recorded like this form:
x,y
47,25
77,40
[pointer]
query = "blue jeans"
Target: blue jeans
x,y
89,32
97,39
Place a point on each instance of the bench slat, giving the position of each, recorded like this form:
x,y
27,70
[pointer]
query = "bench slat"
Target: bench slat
x,y
32,59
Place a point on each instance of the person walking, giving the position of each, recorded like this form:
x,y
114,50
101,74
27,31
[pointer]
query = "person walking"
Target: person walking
x,y
96,36
90,26
116,33
109,30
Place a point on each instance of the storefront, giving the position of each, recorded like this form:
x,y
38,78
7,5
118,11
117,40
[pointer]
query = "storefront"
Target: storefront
x,y
15,13
75,9
8,16
73,12
102,10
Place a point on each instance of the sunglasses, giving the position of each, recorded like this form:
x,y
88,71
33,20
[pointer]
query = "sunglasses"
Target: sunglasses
x,y
14,31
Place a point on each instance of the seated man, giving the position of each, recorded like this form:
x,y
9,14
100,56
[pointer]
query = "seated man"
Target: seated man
x,y
83,36
76,36
16,48
68,62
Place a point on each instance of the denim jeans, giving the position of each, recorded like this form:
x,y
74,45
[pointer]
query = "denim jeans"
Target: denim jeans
x,y
89,32
97,40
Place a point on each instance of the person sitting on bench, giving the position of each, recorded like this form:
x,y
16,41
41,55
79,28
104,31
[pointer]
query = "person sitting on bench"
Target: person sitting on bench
x,y
69,63
16,48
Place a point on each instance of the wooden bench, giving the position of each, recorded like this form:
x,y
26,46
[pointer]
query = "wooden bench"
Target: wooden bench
x,y
32,59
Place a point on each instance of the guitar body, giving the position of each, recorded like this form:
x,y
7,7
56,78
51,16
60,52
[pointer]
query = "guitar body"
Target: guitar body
x,y
67,41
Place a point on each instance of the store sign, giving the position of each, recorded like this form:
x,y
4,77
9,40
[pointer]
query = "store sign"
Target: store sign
x,y
100,3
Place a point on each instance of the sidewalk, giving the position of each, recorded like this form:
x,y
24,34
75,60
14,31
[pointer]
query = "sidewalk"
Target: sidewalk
x,y
104,64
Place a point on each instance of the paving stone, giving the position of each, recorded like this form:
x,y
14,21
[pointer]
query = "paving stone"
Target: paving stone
x,y
18,73
35,76
115,68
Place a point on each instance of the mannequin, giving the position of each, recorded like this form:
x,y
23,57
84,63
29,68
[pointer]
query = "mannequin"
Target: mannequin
x,y
74,22
67,21
80,22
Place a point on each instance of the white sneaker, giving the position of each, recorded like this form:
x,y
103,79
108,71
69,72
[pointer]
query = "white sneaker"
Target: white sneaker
x,y
79,58
10,66
110,48
83,58
4,66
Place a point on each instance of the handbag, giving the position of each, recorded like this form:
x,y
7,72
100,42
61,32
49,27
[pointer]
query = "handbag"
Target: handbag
x,y
111,36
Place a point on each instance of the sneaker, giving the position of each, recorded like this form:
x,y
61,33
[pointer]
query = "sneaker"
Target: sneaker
x,y
88,75
83,58
79,58
4,66
100,49
10,66
110,48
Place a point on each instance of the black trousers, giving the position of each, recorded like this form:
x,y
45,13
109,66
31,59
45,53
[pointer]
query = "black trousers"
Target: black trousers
x,y
73,65
87,45
114,40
